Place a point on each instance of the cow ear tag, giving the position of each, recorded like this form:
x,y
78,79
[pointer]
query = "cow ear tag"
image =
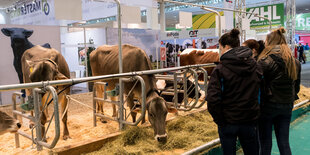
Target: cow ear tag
x,y
31,69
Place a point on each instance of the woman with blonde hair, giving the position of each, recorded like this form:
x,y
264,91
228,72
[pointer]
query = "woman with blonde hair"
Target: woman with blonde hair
x,y
282,80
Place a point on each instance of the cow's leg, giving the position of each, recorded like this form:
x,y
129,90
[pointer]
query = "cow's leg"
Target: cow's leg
x,y
114,98
28,93
99,94
43,121
64,103
130,103
44,115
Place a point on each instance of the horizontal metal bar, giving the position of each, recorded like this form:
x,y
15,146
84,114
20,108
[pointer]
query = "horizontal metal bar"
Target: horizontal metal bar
x,y
167,76
94,78
164,78
203,147
301,103
168,93
24,115
102,83
172,90
108,101
24,134
107,117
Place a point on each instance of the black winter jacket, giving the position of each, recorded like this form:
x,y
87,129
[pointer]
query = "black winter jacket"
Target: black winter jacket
x,y
280,90
233,90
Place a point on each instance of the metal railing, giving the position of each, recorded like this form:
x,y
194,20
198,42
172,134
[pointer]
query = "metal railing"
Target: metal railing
x,y
96,78
118,103
37,118
41,87
176,77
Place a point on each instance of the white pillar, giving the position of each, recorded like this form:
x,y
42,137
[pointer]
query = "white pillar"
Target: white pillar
x,y
162,16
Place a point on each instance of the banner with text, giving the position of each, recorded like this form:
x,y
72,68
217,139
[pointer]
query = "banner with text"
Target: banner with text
x,y
275,13
39,12
303,21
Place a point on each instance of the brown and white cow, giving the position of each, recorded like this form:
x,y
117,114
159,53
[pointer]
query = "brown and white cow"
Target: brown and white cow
x,y
199,57
43,64
8,124
104,61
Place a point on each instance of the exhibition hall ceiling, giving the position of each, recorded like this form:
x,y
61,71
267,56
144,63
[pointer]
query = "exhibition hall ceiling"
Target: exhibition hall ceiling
x,y
7,3
302,6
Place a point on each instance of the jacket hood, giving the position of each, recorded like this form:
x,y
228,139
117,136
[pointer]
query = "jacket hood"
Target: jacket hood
x,y
239,60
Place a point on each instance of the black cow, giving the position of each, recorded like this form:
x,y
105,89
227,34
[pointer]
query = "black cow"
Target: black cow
x,y
19,44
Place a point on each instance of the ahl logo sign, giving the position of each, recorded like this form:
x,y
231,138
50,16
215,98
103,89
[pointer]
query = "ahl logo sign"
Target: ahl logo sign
x,y
273,12
193,33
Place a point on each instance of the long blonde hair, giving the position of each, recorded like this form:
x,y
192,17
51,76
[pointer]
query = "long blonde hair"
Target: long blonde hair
x,y
277,38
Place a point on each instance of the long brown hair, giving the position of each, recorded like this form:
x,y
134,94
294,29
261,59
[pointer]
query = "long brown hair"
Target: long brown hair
x,y
275,38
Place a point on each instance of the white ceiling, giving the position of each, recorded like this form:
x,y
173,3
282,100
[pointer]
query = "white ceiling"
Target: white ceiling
x,y
302,6
7,3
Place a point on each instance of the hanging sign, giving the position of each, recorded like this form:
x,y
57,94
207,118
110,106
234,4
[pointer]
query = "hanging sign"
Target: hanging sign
x,y
273,12
39,12
303,21
163,53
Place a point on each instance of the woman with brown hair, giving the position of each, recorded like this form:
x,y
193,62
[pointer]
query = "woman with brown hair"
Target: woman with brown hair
x,y
232,96
256,46
282,80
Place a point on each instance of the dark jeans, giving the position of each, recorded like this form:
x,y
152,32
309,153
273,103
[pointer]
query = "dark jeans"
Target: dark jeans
x,y
301,57
247,135
281,124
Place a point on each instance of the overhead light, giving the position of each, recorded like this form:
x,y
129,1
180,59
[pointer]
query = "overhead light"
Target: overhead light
x,y
34,2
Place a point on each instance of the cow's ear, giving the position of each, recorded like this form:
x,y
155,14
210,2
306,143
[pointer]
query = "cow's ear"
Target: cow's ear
x,y
172,110
6,31
29,63
28,33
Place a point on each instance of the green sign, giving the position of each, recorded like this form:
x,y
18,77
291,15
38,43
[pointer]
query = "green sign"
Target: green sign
x,y
273,12
303,21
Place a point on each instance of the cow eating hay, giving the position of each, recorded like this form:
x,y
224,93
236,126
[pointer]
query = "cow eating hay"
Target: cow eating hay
x,y
104,61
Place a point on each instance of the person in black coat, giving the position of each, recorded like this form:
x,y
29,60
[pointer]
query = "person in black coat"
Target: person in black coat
x,y
233,96
282,83
301,50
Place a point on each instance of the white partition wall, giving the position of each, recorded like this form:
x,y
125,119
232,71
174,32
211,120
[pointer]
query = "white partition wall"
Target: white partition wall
x,y
72,45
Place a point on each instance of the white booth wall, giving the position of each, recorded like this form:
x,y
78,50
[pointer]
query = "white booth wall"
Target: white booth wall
x,y
41,35
71,41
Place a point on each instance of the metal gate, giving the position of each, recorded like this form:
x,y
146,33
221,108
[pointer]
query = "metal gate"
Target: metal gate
x,y
38,139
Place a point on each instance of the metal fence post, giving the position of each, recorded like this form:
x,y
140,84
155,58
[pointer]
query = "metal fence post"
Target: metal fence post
x,y
94,104
185,88
15,94
36,97
175,85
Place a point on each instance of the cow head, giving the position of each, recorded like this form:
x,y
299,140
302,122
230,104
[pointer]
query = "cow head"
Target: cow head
x,y
18,36
8,124
157,113
44,70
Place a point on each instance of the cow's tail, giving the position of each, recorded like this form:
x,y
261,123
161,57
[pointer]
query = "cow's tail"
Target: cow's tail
x,y
88,68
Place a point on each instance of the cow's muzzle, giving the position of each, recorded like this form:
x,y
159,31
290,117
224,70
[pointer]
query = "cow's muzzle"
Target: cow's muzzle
x,y
161,138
